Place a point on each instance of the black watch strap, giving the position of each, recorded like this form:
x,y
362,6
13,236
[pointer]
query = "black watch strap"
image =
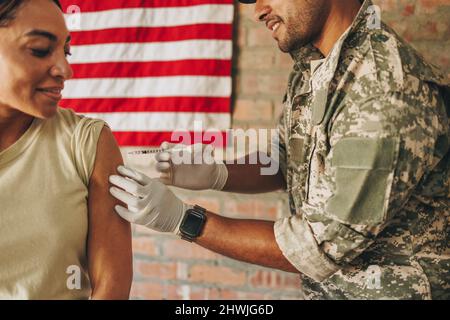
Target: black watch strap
x,y
193,222
187,238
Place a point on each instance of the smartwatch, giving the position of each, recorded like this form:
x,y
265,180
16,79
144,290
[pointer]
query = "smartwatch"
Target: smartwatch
x,y
193,222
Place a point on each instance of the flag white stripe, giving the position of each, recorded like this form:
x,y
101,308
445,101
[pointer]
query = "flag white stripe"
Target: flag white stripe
x,y
188,86
150,17
163,121
157,51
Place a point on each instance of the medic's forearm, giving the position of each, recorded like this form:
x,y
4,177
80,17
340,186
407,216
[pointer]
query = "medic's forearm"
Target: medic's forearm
x,y
251,241
248,178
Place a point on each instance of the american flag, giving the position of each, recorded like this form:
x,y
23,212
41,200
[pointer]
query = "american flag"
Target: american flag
x,y
150,67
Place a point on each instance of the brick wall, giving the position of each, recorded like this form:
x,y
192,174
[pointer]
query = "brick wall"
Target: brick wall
x,y
168,268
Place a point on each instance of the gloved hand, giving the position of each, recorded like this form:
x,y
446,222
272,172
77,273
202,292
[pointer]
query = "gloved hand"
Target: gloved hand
x,y
150,203
191,167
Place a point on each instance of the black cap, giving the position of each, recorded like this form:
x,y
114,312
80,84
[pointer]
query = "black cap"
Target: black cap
x,y
247,1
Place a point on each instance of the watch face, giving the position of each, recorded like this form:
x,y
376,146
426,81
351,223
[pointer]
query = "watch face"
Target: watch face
x,y
192,224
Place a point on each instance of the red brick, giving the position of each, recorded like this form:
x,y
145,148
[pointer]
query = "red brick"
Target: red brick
x,y
409,10
145,246
154,291
432,6
284,61
147,291
272,84
180,249
386,5
274,280
156,270
242,295
251,110
240,36
158,291
247,84
217,275
278,109
202,293
256,60
246,14
259,36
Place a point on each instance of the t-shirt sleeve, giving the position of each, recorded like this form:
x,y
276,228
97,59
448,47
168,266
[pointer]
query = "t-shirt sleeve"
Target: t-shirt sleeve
x,y
84,146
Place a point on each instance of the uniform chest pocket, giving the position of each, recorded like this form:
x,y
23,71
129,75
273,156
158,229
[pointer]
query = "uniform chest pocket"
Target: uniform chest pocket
x,y
363,171
297,169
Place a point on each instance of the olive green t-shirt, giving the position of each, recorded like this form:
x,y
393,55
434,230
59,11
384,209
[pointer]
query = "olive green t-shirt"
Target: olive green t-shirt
x,y
44,180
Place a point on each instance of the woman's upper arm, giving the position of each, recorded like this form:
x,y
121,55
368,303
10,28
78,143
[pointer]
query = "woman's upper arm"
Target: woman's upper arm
x,y
109,239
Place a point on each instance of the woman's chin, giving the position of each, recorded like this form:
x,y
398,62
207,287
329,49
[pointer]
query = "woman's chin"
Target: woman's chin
x,y
46,112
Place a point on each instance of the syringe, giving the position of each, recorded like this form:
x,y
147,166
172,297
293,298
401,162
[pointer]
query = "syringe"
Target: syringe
x,y
158,150
139,152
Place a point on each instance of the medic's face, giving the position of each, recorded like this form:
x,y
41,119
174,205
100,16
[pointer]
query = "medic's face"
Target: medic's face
x,y
33,64
293,23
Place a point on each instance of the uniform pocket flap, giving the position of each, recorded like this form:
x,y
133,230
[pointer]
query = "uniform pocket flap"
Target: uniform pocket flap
x,y
365,153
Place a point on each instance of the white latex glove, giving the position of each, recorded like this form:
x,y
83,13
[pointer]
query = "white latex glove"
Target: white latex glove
x,y
191,167
150,203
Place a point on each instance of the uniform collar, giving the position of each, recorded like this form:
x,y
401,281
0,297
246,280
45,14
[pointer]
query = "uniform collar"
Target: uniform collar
x,y
324,76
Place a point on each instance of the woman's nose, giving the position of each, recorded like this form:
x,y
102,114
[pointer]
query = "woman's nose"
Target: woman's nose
x,y
62,69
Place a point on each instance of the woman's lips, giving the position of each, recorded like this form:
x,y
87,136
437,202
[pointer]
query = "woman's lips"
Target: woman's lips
x,y
53,93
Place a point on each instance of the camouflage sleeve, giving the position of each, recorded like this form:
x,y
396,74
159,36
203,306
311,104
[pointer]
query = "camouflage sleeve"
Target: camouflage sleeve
x,y
380,149
280,141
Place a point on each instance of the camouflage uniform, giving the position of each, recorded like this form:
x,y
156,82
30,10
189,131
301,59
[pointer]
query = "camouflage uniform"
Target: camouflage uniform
x,y
364,137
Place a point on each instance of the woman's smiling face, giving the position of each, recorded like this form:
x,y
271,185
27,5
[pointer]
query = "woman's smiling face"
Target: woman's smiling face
x,y
33,59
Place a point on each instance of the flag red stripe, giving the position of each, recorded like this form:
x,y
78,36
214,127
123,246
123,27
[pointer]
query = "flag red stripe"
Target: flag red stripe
x,y
207,31
154,139
152,69
167,104
92,6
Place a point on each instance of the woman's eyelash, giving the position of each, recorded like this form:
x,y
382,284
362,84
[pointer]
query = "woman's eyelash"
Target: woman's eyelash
x,y
40,53
43,53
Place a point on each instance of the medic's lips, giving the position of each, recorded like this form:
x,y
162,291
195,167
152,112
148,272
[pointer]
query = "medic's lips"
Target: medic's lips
x,y
273,24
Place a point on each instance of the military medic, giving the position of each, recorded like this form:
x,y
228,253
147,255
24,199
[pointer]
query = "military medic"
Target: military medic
x,y
364,156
